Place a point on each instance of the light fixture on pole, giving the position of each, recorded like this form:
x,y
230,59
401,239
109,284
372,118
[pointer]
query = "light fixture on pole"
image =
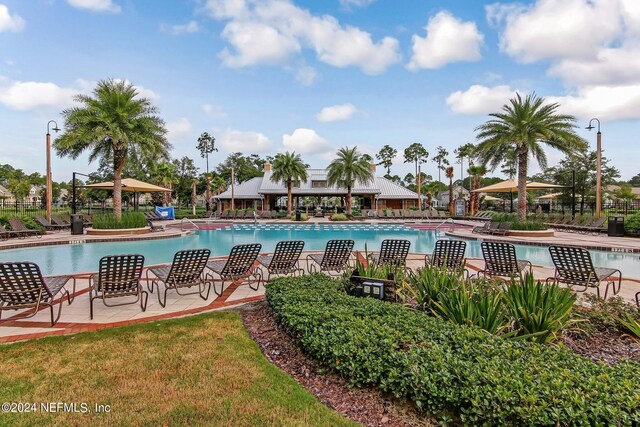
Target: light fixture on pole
x,y
49,182
598,167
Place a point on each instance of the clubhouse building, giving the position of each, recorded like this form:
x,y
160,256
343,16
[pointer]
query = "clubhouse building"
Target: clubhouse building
x,y
261,193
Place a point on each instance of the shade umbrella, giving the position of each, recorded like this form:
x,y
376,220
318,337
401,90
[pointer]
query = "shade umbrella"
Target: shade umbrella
x,y
130,184
511,186
549,196
492,199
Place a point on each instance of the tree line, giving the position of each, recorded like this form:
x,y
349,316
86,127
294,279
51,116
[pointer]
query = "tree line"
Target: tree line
x,y
124,132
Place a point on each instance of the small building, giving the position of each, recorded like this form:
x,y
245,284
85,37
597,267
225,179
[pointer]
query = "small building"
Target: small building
x,y
261,193
458,191
610,189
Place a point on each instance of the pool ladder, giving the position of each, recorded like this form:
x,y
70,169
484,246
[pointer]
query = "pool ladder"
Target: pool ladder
x,y
188,220
449,221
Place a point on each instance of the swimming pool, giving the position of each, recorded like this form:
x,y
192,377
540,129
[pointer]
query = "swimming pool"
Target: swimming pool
x,y
73,258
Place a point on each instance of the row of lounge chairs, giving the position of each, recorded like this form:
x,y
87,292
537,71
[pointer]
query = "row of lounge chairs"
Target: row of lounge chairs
x,y
22,286
403,214
18,229
61,222
579,224
493,228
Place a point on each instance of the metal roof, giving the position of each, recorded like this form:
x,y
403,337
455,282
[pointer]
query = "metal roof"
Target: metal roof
x,y
255,187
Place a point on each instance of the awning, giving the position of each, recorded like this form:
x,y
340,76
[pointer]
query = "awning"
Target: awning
x,y
130,184
511,186
549,196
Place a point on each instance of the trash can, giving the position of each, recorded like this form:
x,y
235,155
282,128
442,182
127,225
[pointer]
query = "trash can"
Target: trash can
x,y
298,215
616,226
77,225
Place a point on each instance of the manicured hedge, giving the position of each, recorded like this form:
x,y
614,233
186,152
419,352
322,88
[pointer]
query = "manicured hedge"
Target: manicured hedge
x,y
451,370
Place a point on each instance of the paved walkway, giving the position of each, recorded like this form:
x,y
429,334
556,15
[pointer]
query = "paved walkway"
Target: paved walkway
x,y
75,317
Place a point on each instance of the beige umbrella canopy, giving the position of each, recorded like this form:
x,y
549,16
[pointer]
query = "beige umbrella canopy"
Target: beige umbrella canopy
x,y
549,196
129,184
492,199
511,186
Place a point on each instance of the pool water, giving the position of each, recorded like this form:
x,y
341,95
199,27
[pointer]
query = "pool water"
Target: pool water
x,y
74,258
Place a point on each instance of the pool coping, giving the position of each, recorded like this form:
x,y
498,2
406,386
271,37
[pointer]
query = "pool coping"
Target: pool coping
x,y
544,244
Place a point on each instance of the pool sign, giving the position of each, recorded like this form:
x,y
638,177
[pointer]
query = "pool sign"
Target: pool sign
x,y
460,207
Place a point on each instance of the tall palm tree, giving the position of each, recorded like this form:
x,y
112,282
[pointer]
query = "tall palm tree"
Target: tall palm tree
x,y
348,167
430,190
111,122
520,130
475,177
288,167
166,174
449,174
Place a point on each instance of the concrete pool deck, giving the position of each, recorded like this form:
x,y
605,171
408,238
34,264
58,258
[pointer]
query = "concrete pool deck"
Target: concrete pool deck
x,y
75,317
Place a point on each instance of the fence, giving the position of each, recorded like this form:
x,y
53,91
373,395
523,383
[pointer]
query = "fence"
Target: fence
x,y
608,208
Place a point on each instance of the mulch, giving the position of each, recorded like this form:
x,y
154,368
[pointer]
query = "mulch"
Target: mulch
x,y
608,347
368,406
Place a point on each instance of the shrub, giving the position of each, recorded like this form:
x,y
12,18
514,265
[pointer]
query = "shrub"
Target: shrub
x,y
604,315
532,223
128,220
539,311
281,214
632,225
444,368
338,217
303,217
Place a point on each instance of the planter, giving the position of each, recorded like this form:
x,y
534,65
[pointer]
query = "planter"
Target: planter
x,y
117,231
530,233
389,285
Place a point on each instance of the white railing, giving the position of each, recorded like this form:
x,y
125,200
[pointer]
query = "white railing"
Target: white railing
x,y
447,221
188,220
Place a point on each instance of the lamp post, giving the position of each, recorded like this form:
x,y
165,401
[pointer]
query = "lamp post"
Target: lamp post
x,y
598,167
49,184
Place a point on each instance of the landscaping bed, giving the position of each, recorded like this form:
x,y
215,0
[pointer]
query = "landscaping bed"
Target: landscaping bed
x,y
458,373
368,406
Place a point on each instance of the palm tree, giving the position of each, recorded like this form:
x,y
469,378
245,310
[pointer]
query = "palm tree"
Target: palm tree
x,y
166,173
349,167
431,189
288,167
111,122
475,176
449,174
519,130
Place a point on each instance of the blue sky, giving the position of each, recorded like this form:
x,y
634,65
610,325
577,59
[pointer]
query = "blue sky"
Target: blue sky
x,y
312,76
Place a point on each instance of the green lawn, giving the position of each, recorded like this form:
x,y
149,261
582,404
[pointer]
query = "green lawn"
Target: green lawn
x,y
199,370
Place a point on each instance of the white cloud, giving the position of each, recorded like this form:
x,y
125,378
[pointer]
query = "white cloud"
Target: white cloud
x,y
305,141
256,43
448,40
356,3
613,66
30,95
10,22
190,27
179,129
213,110
336,113
605,102
95,5
557,29
306,75
609,103
480,99
236,140
270,31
